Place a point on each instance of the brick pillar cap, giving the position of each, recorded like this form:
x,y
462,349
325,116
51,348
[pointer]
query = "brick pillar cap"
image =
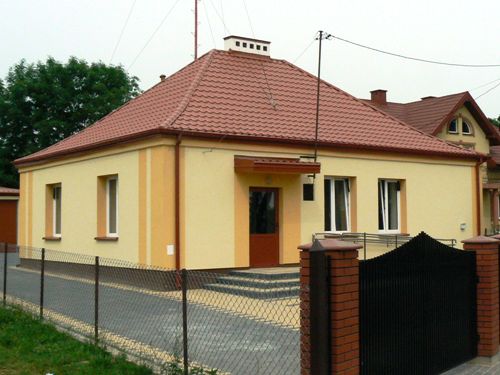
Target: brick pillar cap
x,y
481,240
331,244
496,236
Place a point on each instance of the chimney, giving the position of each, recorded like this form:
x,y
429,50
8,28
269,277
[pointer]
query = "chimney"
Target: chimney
x,y
162,77
379,96
248,45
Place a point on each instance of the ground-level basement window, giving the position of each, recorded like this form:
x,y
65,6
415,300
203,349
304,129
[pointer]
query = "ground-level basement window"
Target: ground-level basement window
x,y
337,203
389,210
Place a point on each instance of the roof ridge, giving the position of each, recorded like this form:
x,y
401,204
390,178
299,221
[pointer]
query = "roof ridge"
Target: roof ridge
x,y
194,85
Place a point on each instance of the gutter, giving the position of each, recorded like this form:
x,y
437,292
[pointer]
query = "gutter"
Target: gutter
x,y
478,193
177,204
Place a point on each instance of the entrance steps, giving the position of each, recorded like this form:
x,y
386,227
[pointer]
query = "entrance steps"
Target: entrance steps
x,y
259,283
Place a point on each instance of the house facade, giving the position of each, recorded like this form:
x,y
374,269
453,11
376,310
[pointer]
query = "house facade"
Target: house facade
x,y
213,167
459,120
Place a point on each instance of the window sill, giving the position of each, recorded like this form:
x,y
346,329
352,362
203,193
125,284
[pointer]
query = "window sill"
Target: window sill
x,y
51,238
106,238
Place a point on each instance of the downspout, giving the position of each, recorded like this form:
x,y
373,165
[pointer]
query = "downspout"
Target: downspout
x,y
177,204
478,194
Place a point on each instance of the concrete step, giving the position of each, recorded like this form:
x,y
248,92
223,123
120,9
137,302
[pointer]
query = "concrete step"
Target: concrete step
x,y
268,273
258,293
252,282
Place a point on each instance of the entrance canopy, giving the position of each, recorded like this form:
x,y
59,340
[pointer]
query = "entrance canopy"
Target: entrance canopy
x,y
258,164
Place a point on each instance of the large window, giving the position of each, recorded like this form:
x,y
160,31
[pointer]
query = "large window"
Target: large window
x,y
337,202
112,206
389,211
56,210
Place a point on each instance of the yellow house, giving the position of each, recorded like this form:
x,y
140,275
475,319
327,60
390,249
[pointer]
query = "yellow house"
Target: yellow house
x,y
213,167
457,119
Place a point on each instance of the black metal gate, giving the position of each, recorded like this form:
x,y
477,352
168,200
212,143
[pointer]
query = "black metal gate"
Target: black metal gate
x,y
418,309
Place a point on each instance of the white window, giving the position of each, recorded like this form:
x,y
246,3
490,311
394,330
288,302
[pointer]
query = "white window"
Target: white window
x,y
56,210
337,203
112,206
466,128
388,206
453,126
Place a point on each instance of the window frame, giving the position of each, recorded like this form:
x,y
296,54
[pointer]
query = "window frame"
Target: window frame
x,y
385,201
467,123
54,210
347,199
456,126
108,232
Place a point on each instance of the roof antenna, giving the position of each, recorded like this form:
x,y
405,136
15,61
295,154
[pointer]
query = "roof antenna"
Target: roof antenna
x,y
196,29
322,35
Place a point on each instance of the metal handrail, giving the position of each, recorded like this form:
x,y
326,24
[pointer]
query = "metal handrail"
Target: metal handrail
x,y
378,238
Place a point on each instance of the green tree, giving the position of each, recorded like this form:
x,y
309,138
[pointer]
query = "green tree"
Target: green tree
x,y
496,121
42,103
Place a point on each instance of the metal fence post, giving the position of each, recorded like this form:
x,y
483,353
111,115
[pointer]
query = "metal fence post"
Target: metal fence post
x,y
96,302
319,290
184,320
5,275
42,282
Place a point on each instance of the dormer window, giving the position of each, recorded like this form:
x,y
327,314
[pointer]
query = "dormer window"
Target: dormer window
x,y
453,126
466,128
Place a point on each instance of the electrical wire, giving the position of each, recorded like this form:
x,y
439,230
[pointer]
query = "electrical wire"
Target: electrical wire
x,y
123,30
304,51
209,25
416,58
485,84
153,34
488,91
248,17
221,18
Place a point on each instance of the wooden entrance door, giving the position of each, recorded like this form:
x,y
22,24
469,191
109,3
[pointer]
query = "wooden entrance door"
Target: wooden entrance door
x,y
264,227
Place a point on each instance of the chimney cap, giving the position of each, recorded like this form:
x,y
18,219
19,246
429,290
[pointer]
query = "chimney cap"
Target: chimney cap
x,y
428,97
247,45
162,77
377,90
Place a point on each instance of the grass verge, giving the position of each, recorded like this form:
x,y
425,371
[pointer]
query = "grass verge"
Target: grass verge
x,y
28,346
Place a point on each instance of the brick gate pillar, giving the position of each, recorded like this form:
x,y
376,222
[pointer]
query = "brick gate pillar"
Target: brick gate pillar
x,y
340,302
486,249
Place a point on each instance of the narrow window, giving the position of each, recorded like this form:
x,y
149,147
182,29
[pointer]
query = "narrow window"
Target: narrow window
x,y
258,47
112,206
452,127
337,202
237,43
251,45
389,206
264,48
56,213
244,44
466,128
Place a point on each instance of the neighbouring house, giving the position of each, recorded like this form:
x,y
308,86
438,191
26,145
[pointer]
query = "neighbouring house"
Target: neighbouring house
x,y
212,168
8,215
458,119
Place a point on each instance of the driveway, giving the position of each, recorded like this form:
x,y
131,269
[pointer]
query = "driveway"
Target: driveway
x,y
217,338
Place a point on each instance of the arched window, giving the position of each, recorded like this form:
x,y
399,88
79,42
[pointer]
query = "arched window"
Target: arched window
x,y
466,128
453,126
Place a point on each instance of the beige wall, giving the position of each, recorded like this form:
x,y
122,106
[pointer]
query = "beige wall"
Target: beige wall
x,y
214,200
478,138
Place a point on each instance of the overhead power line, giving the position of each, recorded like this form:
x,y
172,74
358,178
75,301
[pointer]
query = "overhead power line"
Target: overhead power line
x,y
488,91
248,17
485,84
209,24
123,30
304,50
220,17
416,58
153,34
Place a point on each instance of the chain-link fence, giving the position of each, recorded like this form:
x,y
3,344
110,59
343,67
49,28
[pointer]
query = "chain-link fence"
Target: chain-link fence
x,y
225,322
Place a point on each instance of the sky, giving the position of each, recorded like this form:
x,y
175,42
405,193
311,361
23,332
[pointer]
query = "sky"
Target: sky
x,y
158,39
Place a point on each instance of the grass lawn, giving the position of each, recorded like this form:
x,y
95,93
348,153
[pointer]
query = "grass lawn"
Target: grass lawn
x,y
28,346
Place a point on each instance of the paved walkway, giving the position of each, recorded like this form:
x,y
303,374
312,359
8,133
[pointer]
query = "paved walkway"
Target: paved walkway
x,y
469,369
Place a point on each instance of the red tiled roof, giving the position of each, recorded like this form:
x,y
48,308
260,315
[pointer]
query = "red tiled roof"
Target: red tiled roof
x,y
244,96
8,191
431,114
